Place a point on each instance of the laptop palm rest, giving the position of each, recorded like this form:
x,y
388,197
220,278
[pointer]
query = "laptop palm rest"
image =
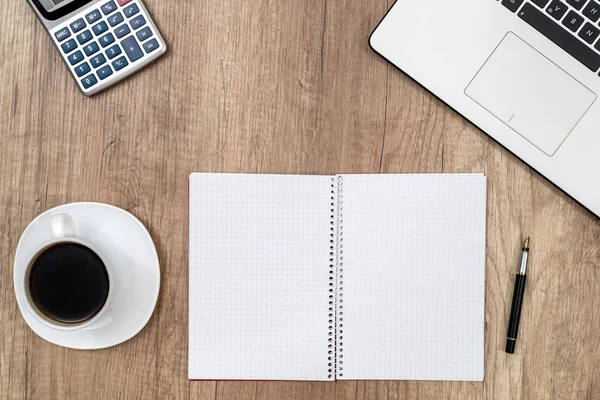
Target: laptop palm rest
x,y
530,94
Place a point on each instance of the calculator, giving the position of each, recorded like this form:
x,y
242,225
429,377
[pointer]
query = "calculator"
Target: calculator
x,y
100,41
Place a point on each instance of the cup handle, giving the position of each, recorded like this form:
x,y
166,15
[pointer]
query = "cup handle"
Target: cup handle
x,y
62,226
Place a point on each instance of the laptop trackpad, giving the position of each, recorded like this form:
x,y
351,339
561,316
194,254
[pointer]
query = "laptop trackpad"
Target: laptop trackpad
x,y
530,94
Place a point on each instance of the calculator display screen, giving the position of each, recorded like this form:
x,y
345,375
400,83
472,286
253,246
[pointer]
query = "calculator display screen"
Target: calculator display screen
x,y
52,5
55,9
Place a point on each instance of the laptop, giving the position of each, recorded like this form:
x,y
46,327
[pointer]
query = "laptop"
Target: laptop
x,y
526,72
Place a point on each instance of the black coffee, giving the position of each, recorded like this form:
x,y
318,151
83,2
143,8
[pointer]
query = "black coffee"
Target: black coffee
x,y
68,283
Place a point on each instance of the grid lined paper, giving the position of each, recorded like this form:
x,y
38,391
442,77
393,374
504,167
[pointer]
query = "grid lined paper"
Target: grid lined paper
x,y
259,277
413,277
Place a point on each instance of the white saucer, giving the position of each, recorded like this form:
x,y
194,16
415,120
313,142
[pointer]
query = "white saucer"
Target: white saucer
x,y
129,249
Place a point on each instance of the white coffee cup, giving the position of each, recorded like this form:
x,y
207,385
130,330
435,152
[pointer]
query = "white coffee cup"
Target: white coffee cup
x,y
63,230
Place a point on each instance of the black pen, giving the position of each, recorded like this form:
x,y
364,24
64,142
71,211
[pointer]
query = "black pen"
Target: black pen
x,y
517,302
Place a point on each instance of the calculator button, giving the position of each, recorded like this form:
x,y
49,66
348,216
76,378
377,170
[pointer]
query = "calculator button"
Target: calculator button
x,y
93,16
123,2
144,34
78,25
132,48
89,81
82,69
75,57
84,36
109,7
131,10
69,46
104,72
137,22
150,46
106,39
122,31
91,48
97,60
120,63
113,51
115,19
100,28
62,34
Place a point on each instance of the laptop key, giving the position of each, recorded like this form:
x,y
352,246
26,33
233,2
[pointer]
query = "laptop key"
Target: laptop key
x,y
512,5
561,37
589,33
573,21
557,9
540,3
577,4
592,11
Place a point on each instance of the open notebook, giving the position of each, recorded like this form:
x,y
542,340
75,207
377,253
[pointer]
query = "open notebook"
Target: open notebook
x,y
337,277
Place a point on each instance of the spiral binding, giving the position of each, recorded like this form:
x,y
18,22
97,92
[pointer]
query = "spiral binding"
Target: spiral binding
x,y
332,278
339,313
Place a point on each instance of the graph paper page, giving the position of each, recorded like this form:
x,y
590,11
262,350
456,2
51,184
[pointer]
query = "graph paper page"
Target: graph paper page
x,y
259,277
413,277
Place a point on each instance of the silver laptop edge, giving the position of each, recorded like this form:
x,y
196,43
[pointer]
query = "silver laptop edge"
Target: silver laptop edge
x,y
508,79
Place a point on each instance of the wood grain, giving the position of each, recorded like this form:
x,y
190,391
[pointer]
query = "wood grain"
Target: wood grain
x,y
270,87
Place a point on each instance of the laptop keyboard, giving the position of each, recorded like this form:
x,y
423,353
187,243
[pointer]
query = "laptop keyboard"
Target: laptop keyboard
x,y
570,24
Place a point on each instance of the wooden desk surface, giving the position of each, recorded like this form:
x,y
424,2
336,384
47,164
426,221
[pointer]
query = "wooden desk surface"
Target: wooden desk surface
x,y
270,87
